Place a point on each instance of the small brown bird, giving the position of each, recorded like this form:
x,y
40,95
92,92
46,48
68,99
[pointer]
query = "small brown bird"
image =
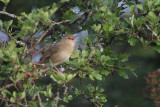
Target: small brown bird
x,y
60,51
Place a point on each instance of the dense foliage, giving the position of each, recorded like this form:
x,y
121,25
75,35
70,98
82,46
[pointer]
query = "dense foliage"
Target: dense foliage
x,y
25,83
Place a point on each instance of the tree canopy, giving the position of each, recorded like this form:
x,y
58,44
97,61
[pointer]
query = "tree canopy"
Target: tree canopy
x,y
24,83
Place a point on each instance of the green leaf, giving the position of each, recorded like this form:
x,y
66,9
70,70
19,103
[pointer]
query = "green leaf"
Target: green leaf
x,y
70,97
132,41
1,54
104,58
20,76
139,6
14,94
104,8
61,76
14,55
123,74
62,1
12,99
91,77
134,74
97,27
2,78
105,72
106,29
7,24
70,76
11,45
157,42
75,54
152,16
5,1
157,2
58,78
84,53
132,20
131,67
157,48
22,95
97,75
73,18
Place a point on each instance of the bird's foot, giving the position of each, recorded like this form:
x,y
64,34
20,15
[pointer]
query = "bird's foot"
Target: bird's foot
x,y
58,71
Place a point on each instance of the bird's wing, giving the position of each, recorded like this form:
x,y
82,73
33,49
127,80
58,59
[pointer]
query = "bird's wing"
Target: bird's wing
x,y
51,51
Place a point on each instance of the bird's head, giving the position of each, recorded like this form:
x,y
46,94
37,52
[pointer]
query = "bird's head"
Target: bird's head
x,y
69,38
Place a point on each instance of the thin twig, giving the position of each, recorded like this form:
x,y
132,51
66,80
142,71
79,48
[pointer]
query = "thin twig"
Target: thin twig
x,y
86,97
40,101
19,42
50,27
45,70
5,6
57,97
94,103
25,100
9,14
57,23
153,32
11,36
10,85
7,100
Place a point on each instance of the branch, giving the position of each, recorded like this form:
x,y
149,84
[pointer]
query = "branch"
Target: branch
x,y
85,96
40,101
7,100
9,14
57,98
57,23
94,103
45,70
19,42
154,33
50,27
10,85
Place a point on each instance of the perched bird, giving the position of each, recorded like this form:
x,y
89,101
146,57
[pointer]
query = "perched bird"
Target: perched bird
x,y
60,51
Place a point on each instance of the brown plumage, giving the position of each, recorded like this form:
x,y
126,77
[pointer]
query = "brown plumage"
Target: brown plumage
x,y
59,52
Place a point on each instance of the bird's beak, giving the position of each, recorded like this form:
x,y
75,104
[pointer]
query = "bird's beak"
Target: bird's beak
x,y
74,38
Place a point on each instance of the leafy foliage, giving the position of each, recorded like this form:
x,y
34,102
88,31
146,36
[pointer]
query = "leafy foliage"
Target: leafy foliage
x,y
24,83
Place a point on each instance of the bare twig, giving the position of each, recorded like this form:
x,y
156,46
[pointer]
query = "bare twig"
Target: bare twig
x,y
25,100
85,96
50,27
9,14
45,70
57,23
10,85
40,101
5,6
94,103
153,32
7,100
57,97
19,42
11,36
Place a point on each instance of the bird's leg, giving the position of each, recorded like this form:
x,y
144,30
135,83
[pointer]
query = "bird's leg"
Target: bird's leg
x,y
58,71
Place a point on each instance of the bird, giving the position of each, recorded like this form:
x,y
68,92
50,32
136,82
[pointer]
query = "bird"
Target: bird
x,y
60,51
